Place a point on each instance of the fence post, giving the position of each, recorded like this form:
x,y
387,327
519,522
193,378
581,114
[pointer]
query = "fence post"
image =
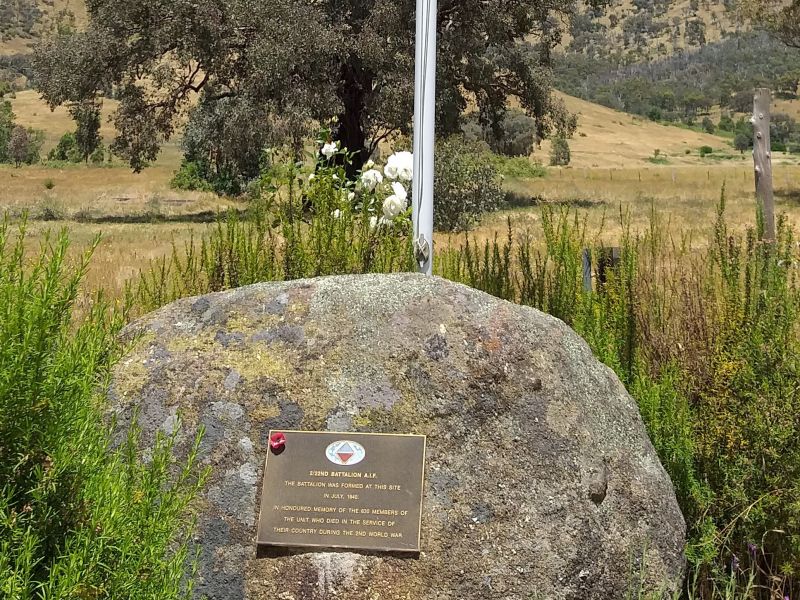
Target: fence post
x,y
587,270
762,159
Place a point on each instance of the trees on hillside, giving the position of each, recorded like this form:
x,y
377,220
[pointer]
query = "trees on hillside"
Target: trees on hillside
x,y
274,68
683,86
777,16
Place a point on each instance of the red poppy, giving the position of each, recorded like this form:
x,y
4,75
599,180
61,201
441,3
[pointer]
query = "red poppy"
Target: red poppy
x,y
277,441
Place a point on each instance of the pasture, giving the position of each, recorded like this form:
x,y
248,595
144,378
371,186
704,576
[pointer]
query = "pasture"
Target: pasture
x,y
140,217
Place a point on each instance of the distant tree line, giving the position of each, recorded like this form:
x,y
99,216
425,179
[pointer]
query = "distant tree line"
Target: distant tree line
x,y
684,86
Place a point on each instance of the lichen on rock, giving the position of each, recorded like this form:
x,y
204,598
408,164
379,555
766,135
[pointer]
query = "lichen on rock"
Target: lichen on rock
x,y
540,479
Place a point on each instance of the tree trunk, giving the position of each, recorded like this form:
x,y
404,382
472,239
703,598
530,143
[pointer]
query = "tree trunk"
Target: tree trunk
x,y
354,88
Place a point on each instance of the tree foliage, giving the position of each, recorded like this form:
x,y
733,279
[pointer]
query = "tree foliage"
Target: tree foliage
x,y
87,133
466,184
18,145
6,128
559,152
779,17
283,64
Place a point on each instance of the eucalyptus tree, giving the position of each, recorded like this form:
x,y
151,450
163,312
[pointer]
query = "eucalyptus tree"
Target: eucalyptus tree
x,y
267,71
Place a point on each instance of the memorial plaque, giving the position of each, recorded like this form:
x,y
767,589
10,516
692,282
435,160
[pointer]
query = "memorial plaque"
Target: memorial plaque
x,y
343,490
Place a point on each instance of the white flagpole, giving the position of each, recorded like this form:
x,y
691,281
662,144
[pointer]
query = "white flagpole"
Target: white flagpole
x,y
424,132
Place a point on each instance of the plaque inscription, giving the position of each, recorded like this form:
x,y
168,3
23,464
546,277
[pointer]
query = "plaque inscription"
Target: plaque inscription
x,y
343,490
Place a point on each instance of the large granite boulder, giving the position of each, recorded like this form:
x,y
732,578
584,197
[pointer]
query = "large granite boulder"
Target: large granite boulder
x,y
540,479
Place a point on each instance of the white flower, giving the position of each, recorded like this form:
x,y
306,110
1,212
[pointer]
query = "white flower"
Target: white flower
x,y
393,206
399,191
400,166
336,214
371,179
351,196
329,149
369,165
311,178
373,222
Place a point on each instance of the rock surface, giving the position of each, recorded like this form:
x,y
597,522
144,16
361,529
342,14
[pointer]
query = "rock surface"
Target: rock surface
x,y
540,479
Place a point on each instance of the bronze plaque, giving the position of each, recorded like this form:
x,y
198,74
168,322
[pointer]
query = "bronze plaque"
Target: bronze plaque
x,y
343,490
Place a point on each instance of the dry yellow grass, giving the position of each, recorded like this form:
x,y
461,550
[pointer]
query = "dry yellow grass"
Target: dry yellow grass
x,y
607,138
31,111
95,191
101,191
685,197
609,172
686,207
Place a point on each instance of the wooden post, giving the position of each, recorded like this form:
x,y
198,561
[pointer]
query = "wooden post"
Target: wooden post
x,y
762,159
587,270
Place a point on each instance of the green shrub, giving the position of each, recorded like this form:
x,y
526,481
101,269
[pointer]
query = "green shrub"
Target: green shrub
x,y
518,135
466,185
190,177
78,519
66,150
49,184
706,150
518,167
742,142
293,230
559,152
98,157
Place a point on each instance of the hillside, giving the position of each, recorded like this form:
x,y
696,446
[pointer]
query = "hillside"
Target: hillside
x,y
642,30
22,22
607,138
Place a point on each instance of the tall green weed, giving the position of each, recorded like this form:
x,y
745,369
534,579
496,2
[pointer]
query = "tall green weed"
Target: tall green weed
x,y
78,518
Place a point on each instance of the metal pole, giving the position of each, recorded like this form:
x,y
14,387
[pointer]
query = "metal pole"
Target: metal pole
x,y
424,132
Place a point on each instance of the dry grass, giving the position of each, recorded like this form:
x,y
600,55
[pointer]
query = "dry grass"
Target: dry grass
x,y
607,138
685,197
94,191
101,191
609,172
32,111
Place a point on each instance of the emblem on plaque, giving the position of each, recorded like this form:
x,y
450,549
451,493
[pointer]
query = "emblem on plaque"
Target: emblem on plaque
x,y
345,453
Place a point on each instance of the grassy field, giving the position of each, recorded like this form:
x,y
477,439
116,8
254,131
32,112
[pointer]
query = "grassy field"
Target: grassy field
x,y
609,173
607,138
